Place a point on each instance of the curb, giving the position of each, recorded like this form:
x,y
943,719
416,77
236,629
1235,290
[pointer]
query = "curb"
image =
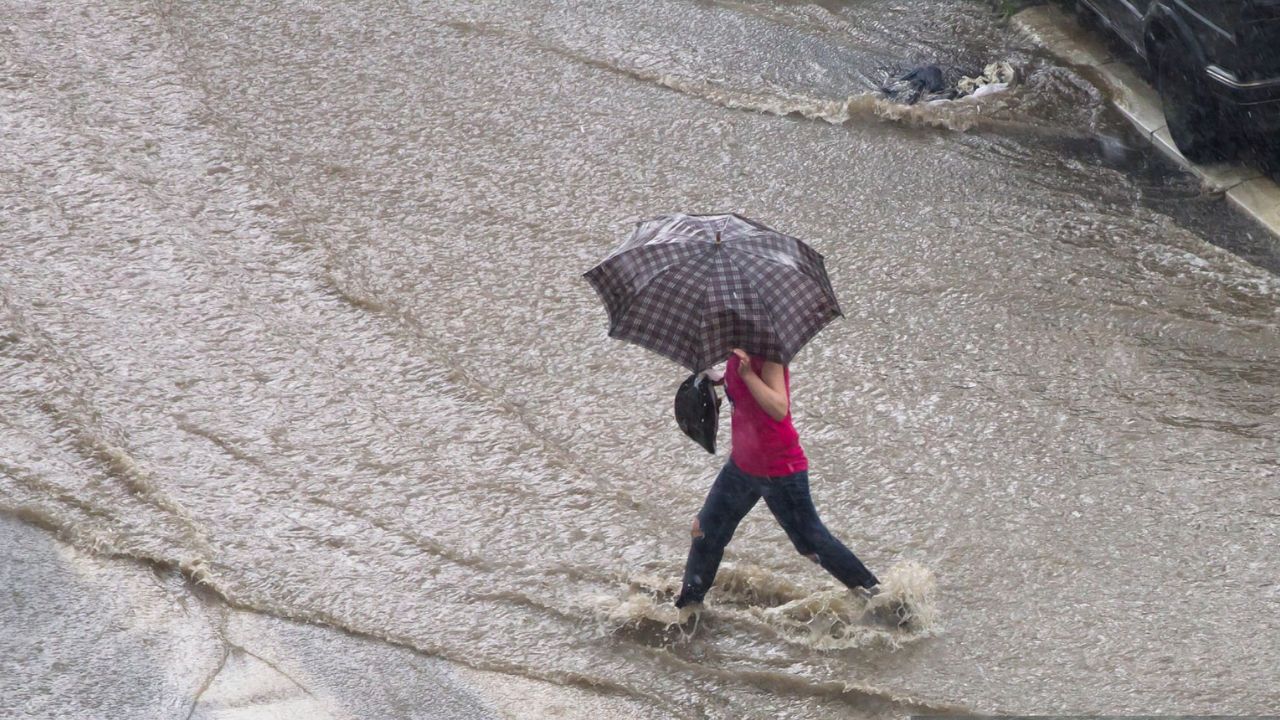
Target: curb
x,y
1246,188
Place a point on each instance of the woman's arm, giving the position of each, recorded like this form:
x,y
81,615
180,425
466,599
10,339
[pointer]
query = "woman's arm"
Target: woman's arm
x,y
770,391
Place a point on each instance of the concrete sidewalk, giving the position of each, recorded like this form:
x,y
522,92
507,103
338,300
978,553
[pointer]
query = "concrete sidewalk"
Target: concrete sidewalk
x,y
1062,35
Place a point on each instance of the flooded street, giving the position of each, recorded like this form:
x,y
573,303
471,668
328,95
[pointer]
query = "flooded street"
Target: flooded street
x,y
290,298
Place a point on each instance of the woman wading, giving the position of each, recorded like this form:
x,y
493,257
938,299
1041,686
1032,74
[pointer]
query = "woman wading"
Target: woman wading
x,y
698,288
767,462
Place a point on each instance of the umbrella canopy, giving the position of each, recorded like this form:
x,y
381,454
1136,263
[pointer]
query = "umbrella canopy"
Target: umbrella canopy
x,y
692,287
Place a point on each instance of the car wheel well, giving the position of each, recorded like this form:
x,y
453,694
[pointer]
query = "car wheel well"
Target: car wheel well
x,y
1192,115
1157,37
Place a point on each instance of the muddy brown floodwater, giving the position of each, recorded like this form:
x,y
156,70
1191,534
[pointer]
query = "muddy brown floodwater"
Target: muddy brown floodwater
x,y
290,298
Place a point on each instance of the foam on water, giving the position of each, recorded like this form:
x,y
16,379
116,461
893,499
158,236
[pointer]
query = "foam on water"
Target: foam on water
x,y
821,618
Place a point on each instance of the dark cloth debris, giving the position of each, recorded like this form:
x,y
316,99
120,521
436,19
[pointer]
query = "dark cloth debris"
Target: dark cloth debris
x,y
934,83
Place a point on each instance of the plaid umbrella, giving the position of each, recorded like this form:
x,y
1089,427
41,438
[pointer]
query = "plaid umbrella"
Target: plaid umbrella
x,y
692,287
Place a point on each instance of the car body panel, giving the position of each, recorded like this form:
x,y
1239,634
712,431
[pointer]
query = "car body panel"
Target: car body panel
x,y
1234,43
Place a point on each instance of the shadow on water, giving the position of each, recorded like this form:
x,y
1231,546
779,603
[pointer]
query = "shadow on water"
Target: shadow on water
x,y
1172,191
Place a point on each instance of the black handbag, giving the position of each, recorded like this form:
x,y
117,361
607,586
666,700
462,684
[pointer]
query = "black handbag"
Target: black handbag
x,y
697,408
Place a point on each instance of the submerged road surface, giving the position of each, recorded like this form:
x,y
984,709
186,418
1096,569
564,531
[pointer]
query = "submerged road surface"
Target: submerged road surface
x,y
290,299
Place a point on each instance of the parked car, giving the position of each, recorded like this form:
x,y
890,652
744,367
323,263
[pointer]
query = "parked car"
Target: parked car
x,y
1216,64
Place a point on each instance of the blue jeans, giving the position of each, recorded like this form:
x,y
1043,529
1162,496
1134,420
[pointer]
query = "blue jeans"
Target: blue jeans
x,y
732,496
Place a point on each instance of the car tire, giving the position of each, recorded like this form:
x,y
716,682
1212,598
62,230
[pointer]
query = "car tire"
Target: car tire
x,y
1192,113
1088,18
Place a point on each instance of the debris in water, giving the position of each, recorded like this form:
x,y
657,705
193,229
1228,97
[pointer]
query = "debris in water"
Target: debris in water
x,y
933,83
